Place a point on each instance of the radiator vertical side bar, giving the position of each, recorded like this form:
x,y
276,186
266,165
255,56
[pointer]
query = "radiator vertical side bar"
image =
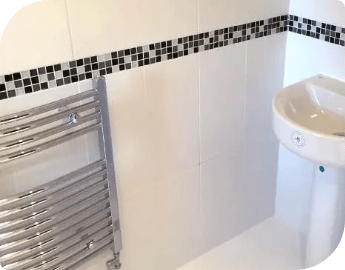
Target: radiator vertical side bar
x,y
107,152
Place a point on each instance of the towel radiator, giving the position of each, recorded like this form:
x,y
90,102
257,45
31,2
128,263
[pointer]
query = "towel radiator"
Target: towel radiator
x,y
57,225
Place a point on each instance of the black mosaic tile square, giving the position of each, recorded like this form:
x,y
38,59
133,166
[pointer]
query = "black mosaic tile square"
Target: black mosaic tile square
x,y
3,95
93,59
17,76
50,69
8,78
66,73
35,80
74,78
44,86
57,67
28,89
27,82
109,70
33,72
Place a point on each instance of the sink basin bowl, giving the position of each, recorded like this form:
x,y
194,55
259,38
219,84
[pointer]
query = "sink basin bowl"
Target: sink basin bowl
x,y
309,120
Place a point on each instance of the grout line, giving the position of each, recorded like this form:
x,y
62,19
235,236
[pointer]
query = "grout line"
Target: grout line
x,y
199,131
86,138
69,28
244,104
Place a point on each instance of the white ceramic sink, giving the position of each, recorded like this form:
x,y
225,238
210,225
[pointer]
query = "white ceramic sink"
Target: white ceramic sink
x,y
309,119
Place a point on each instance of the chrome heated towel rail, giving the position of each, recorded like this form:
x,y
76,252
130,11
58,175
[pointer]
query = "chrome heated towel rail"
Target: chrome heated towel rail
x,y
58,224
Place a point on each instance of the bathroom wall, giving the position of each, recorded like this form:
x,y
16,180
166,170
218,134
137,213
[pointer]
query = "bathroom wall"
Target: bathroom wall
x,y
196,158
306,57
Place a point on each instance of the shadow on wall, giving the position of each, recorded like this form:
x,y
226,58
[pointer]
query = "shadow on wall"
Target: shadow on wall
x,y
22,44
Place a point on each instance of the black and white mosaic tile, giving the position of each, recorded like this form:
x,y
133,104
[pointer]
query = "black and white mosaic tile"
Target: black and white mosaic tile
x,y
52,76
326,32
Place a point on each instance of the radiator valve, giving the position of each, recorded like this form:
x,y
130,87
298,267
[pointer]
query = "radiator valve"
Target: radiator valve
x,y
114,263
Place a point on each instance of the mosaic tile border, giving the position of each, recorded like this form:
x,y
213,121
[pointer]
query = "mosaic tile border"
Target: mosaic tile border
x,y
52,76
326,32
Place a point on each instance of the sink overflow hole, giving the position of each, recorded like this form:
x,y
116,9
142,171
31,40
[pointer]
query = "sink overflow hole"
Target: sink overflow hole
x,y
322,168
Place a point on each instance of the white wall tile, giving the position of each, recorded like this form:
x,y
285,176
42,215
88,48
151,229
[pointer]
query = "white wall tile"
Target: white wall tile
x,y
215,14
3,69
129,128
222,89
107,25
37,35
264,9
331,11
265,76
222,195
173,105
161,223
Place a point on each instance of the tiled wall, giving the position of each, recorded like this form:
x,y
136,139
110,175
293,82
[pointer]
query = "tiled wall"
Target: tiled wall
x,y
190,132
55,75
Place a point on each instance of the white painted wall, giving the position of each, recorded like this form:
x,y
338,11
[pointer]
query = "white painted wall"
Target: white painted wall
x,y
189,134
331,11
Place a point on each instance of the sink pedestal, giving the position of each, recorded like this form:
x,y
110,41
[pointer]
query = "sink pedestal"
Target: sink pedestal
x,y
325,222
309,119
312,203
